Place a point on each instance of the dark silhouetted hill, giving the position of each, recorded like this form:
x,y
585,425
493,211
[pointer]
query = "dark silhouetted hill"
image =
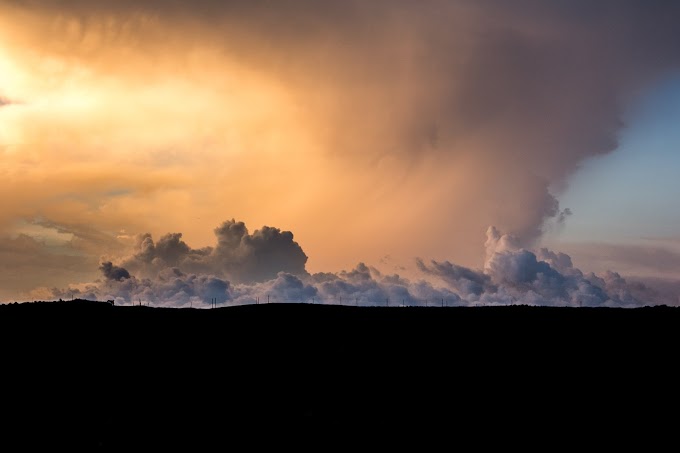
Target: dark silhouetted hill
x,y
90,375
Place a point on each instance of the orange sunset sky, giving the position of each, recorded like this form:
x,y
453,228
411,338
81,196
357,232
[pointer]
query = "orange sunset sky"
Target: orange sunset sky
x,y
390,133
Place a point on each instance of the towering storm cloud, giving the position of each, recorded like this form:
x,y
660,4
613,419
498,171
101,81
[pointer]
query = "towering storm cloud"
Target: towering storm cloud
x,y
396,127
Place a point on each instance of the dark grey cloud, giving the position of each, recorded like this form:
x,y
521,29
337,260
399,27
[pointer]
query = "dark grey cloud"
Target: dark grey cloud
x,y
258,256
238,255
112,272
167,270
170,250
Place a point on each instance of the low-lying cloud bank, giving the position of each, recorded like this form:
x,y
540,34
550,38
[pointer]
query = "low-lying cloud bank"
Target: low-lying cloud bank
x,y
268,266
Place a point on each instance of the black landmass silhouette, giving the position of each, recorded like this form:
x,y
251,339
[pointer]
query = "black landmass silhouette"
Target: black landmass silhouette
x,y
87,375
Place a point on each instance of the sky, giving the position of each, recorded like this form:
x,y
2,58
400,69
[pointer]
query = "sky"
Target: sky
x,y
467,152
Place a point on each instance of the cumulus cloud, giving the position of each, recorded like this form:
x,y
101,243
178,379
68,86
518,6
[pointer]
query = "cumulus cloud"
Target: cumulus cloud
x,y
169,288
511,274
112,272
257,256
238,255
515,275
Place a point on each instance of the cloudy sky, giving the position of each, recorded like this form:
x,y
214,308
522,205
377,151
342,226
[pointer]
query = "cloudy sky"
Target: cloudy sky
x,y
471,152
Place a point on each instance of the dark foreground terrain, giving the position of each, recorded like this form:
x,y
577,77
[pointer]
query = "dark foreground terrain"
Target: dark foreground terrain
x,y
92,376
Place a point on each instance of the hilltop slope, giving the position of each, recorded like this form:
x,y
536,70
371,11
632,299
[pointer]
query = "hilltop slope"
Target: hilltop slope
x,y
114,376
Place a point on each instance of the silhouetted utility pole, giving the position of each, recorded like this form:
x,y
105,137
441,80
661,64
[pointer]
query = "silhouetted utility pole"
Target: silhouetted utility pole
x,y
267,298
